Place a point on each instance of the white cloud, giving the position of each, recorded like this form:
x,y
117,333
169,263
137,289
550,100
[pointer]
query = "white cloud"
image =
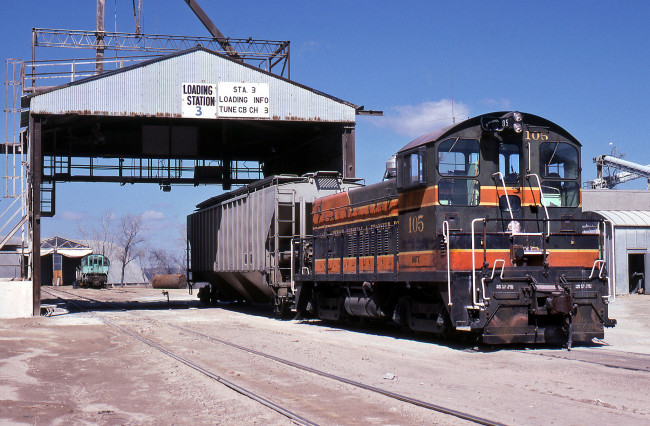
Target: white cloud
x,y
416,120
71,216
153,215
497,104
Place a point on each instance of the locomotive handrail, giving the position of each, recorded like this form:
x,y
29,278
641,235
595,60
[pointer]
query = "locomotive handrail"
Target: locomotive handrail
x,y
541,196
445,235
611,296
503,182
494,267
291,280
475,302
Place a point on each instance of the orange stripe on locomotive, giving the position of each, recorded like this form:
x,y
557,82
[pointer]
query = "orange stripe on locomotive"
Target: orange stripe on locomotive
x,y
460,260
336,210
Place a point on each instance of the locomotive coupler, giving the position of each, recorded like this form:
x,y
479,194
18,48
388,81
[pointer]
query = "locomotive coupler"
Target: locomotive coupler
x,y
559,302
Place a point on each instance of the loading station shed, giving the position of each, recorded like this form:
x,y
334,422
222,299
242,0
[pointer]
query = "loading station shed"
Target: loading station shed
x,y
191,117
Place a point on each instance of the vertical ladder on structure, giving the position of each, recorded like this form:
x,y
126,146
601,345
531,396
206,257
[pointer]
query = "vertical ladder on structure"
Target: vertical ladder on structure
x,y
13,218
285,230
56,167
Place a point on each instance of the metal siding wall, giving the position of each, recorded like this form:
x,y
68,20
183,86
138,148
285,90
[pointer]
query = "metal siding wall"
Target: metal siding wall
x,y
154,90
621,260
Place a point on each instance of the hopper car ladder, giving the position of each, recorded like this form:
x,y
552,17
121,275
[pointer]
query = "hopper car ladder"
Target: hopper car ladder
x,y
284,230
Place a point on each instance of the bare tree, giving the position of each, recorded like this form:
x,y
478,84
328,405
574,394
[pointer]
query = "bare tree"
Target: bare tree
x,y
181,248
162,261
129,238
99,233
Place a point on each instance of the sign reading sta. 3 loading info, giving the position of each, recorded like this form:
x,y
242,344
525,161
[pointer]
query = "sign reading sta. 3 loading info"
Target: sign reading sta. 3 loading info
x,y
243,100
225,99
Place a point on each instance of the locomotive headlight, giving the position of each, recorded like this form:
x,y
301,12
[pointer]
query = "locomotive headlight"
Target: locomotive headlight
x,y
517,116
518,127
514,227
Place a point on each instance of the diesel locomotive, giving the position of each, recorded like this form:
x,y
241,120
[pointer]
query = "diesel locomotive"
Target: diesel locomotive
x,y
93,271
477,229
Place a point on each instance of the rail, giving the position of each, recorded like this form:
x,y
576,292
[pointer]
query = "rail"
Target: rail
x,y
494,267
479,302
541,196
445,235
505,190
475,302
600,264
291,415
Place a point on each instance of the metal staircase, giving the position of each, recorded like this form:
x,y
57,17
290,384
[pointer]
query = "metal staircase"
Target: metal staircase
x,y
14,240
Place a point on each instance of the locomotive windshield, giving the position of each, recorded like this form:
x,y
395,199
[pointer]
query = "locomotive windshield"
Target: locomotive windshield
x,y
509,162
559,169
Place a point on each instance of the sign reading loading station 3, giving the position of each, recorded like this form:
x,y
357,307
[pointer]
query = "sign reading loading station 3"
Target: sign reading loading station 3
x,y
236,100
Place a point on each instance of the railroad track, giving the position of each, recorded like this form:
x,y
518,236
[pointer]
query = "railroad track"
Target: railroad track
x,y
620,360
256,397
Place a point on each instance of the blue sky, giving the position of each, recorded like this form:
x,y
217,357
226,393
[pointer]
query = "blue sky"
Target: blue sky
x,y
584,65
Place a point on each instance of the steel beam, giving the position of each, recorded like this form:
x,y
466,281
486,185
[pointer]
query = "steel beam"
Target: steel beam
x,y
35,180
212,28
99,36
348,150
266,54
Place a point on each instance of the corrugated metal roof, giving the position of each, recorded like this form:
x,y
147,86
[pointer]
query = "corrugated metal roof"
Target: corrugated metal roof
x,y
626,217
154,89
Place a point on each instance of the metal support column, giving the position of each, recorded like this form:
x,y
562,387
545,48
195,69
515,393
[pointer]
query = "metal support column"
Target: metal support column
x,y
99,36
36,170
348,149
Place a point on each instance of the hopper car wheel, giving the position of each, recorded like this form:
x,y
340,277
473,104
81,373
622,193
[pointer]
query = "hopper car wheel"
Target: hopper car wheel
x,y
208,295
282,307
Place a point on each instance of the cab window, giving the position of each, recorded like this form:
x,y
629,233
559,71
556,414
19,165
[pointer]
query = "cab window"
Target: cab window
x,y
458,157
509,163
559,167
458,192
560,193
558,160
413,170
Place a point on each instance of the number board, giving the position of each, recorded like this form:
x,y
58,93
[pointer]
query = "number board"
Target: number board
x,y
199,100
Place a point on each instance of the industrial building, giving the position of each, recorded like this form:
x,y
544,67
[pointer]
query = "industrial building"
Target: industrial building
x,y
60,258
627,234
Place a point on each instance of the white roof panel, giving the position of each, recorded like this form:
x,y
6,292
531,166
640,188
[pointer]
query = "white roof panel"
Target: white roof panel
x,y
639,218
154,89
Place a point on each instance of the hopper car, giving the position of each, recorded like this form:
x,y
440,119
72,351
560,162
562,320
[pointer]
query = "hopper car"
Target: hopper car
x,y
476,230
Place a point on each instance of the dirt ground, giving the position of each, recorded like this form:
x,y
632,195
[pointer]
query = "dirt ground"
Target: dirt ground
x,y
72,368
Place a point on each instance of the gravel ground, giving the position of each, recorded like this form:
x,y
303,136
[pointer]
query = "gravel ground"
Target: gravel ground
x,y
72,368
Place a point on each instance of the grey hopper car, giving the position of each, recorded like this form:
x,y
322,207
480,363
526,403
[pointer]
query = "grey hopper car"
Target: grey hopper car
x,y
241,241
